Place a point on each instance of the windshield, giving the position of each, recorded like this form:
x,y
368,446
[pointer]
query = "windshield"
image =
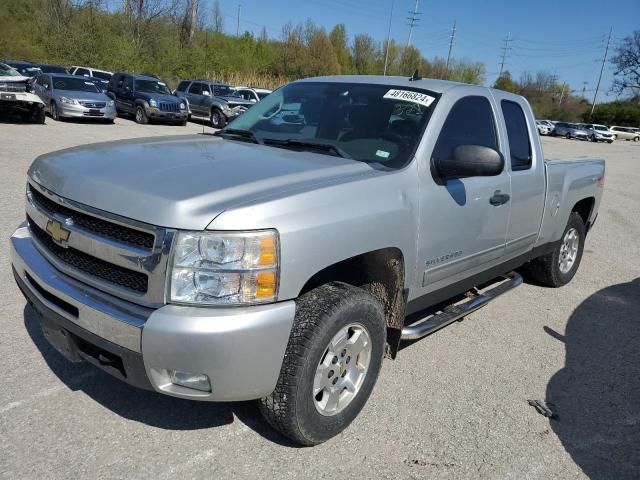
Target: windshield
x,y
52,69
152,86
7,71
600,127
369,123
74,85
101,75
223,91
28,70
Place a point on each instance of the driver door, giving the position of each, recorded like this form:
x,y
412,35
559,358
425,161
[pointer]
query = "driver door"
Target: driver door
x,y
462,230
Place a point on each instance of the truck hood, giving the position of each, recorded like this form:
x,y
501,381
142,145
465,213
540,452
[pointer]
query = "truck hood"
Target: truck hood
x,y
185,181
159,97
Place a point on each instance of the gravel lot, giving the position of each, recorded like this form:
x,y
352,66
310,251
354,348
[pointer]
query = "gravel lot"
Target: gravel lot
x,y
453,405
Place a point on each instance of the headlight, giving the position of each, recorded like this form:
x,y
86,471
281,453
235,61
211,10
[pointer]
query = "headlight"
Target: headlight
x,y
111,103
182,106
215,268
153,103
70,101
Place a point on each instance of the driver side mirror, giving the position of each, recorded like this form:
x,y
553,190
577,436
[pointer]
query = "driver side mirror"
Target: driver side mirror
x,y
469,161
206,93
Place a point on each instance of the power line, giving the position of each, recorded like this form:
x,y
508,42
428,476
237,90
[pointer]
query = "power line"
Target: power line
x,y
453,37
412,20
604,59
505,49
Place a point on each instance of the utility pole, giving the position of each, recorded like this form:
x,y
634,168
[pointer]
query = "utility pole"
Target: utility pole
x,y
386,55
604,59
584,88
413,19
564,86
451,40
505,49
238,21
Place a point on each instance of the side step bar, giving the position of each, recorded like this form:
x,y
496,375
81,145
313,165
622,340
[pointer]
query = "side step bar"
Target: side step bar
x,y
455,312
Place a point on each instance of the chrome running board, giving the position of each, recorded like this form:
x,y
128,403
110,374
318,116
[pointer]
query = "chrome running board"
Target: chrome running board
x,y
450,314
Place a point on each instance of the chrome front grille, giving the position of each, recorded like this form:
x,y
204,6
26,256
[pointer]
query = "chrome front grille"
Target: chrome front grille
x,y
169,107
93,104
122,257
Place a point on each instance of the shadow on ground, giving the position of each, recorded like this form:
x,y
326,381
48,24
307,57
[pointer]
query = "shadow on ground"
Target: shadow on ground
x,y
596,396
143,406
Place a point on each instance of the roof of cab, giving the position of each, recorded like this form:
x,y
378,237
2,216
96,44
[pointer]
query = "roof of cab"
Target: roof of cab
x,y
436,86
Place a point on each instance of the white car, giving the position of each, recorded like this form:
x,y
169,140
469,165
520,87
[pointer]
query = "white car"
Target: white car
x,y
17,97
543,128
95,74
625,133
252,94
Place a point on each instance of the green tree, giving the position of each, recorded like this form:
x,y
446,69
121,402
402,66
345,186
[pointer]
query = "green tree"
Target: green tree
x,y
340,42
506,83
364,54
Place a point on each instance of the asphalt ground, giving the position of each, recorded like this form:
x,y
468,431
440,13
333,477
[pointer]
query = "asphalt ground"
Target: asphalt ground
x,y
453,405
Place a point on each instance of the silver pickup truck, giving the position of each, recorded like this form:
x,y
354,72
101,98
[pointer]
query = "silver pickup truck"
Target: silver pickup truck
x,y
284,258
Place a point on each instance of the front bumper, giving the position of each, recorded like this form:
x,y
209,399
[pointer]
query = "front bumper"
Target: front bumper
x,y
157,114
80,111
240,349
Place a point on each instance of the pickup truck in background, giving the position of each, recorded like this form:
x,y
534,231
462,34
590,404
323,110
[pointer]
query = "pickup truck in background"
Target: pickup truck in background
x,y
285,257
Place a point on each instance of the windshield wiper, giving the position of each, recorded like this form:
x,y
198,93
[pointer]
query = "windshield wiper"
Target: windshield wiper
x,y
327,147
248,134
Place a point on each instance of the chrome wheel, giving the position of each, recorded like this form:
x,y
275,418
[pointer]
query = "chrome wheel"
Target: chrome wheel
x,y
342,369
139,115
569,250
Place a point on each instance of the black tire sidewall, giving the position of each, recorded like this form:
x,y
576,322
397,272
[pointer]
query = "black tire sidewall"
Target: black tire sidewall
x,y
217,119
575,221
143,116
313,425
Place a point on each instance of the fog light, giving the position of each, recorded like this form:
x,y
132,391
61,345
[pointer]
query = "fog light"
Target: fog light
x,y
197,381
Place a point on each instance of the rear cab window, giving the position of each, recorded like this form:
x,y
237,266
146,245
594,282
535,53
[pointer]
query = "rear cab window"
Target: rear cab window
x,y
518,135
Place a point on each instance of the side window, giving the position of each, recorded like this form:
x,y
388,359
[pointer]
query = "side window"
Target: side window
x,y
183,86
83,72
518,135
127,83
196,88
470,122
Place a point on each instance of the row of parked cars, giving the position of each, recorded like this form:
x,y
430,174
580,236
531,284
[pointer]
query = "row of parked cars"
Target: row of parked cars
x,y
587,131
32,90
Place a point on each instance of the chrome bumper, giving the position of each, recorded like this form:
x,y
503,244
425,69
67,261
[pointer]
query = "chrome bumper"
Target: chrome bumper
x,y
240,349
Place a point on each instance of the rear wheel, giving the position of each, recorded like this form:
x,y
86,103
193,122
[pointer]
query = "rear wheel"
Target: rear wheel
x,y
330,366
636,139
558,267
141,116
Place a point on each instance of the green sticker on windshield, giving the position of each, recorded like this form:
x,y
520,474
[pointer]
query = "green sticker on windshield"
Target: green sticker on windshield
x,y
382,153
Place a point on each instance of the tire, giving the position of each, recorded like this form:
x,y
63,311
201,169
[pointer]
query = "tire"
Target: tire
x,y
553,133
547,269
53,110
593,139
568,136
141,116
183,123
39,117
615,137
217,119
322,315
636,139
609,141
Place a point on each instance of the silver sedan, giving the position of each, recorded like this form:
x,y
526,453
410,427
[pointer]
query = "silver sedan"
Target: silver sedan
x,y
69,96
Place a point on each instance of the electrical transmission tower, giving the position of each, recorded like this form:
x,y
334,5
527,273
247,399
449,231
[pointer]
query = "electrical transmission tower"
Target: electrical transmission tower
x,y
412,20
505,49
451,40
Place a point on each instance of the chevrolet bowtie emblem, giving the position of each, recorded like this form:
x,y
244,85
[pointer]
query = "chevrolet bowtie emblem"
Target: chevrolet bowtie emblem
x,y
59,234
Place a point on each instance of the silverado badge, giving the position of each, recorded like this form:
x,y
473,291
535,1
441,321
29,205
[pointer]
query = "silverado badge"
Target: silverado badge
x,y
59,234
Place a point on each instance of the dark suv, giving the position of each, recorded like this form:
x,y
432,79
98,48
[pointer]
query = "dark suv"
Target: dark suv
x,y
146,98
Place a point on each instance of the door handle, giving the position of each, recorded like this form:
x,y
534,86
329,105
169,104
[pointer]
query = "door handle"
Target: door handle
x,y
499,198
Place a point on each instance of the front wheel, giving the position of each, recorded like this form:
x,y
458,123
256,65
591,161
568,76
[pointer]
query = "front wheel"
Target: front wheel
x,y
53,110
218,119
330,365
609,141
568,136
636,139
141,116
558,267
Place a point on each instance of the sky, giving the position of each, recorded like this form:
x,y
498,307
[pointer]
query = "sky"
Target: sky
x,y
566,39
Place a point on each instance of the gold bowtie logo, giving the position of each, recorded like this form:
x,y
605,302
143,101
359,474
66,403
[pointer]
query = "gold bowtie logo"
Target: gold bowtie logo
x,y
59,234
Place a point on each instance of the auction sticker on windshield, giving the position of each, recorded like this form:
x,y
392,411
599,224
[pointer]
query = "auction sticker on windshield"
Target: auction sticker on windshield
x,y
409,96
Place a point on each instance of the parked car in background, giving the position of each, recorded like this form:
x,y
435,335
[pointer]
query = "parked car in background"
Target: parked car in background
x,y
212,100
550,125
543,129
69,96
625,133
17,97
45,68
100,76
569,130
599,133
27,69
146,98
254,95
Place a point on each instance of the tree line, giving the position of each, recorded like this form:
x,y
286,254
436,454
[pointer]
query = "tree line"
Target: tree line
x,y
178,39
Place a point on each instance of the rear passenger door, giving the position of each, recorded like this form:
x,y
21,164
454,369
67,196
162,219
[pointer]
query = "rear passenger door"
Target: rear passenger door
x,y
525,160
